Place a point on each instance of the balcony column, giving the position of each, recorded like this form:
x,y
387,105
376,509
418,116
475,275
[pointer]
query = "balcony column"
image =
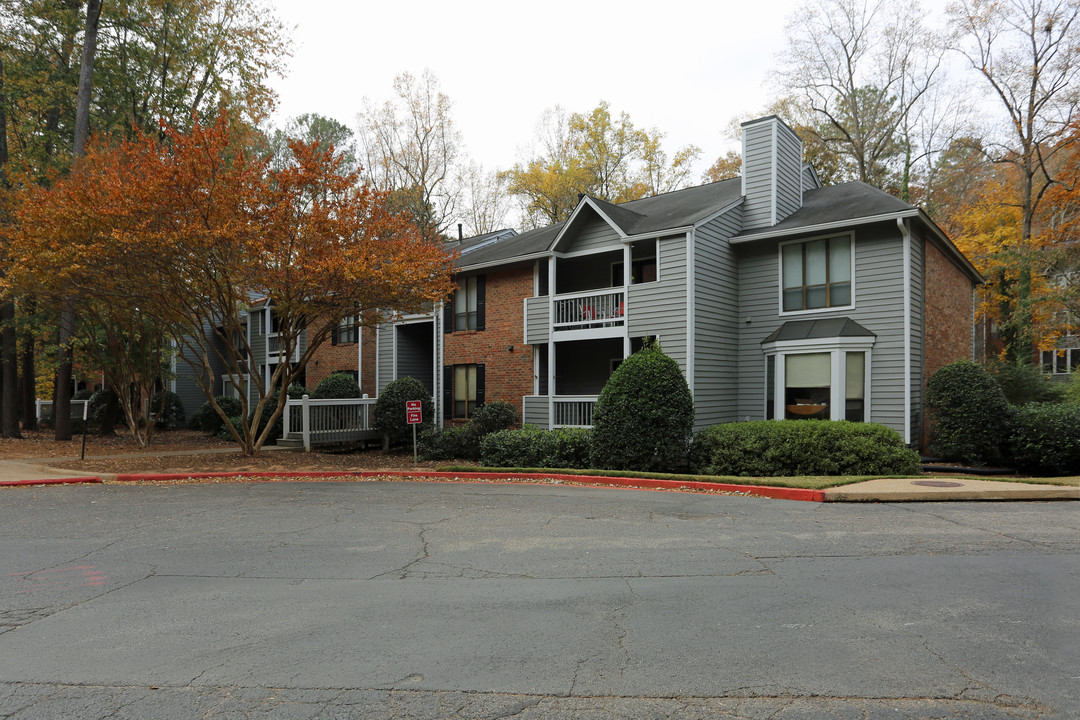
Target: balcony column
x,y
551,342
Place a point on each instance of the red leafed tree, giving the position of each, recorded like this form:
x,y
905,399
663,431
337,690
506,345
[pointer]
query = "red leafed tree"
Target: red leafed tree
x,y
190,231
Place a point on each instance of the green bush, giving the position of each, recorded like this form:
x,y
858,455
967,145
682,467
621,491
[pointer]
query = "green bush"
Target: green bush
x,y
298,391
237,422
488,418
438,443
105,410
173,413
1045,439
206,418
336,385
644,417
532,447
390,409
967,413
785,448
1024,383
1072,389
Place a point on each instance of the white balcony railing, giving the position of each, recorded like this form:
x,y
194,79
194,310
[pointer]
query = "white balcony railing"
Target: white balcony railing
x,y
275,353
581,311
573,410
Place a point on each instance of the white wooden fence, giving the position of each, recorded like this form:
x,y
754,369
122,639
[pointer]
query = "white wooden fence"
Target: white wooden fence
x,y
328,421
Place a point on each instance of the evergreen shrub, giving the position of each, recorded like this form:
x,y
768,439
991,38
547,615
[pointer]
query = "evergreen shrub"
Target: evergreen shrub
x,y
488,418
390,416
173,413
967,413
532,447
336,385
438,443
786,448
1024,383
1045,439
206,418
644,417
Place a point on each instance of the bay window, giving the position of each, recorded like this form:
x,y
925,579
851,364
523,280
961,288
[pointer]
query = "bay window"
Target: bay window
x,y
829,382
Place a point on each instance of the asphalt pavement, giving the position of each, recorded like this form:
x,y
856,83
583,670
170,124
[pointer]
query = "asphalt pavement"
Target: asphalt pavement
x,y
438,600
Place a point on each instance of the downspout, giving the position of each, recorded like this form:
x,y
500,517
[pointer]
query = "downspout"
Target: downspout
x,y
906,235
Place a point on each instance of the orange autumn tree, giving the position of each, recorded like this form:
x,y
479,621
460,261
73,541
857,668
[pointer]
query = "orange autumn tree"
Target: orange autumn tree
x,y
191,231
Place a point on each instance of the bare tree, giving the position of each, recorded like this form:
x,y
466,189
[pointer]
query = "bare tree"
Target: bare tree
x,y
1027,52
410,147
486,202
863,70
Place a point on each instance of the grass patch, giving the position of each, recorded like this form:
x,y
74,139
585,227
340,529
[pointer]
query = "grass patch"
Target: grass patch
x,y
807,483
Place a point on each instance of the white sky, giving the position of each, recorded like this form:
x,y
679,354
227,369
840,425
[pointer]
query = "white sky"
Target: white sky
x,y
684,67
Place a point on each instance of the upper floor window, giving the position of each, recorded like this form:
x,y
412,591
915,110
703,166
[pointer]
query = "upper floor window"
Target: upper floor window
x,y
1061,361
347,332
467,309
816,273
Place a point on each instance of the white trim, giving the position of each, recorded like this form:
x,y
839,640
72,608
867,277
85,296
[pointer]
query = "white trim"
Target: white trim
x,y
596,333
378,336
774,161
709,218
503,261
524,320
845,343
780,276
360,355
587,251
563,231
691,307
658,233
823,227
906,235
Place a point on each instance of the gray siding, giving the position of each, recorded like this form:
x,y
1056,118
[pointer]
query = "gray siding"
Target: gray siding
x,y
758,169
918,261
716,325
536,411
415,348
538,320
591,232
659,308
384,357
788,172
772,172
879,307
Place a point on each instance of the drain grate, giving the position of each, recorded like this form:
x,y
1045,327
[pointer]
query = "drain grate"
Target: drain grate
x,y
936,483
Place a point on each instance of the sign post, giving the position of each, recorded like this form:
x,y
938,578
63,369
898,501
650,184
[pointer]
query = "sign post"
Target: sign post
x,y
413,416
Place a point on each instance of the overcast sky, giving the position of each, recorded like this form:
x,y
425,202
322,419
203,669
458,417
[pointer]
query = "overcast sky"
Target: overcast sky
x,y
685,68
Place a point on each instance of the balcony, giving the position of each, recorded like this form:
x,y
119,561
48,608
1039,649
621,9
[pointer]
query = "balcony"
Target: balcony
x,y
275,353
573,410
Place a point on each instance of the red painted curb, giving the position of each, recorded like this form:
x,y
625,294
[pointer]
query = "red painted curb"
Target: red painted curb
x,y
769,491
51,481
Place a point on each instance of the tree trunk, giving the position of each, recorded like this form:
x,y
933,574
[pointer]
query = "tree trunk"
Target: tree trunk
x,y
62,407
28,380
9,417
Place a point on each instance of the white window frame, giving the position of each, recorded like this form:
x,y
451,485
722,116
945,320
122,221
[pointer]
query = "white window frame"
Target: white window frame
x,y
836,348
780,276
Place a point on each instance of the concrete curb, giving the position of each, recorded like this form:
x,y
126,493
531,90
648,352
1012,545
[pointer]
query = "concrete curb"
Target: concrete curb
x,y
777,493
51,481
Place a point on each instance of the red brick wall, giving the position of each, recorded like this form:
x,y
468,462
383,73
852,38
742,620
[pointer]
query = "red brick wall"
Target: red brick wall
x,y
508,374
330,359
367,368
948,318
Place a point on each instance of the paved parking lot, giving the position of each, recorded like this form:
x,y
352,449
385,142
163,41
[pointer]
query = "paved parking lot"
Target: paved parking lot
x,y
379,600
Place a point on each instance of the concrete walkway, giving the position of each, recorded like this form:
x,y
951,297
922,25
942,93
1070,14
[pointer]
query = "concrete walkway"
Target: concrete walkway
x,y
929,489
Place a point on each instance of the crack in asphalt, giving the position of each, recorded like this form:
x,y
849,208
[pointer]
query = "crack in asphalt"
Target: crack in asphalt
x,y
954,521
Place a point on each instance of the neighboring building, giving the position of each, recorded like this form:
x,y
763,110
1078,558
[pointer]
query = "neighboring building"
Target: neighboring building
x,y
777,297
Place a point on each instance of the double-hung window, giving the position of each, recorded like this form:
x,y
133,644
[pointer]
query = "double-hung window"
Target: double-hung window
x,y
826,383
347,332
463,390
466,310
816,273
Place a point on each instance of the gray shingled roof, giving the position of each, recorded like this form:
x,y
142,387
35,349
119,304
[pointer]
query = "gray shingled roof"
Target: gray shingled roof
x,y
834,203
818,329
679,208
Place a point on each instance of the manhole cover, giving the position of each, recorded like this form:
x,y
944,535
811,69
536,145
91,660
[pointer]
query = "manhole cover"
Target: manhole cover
x,y
936,483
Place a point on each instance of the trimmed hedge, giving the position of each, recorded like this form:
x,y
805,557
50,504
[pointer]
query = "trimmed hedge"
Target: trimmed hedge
x,y
438,443
488,418
336,385
1045,439
390,409
786,448
968,414
532,447
644,417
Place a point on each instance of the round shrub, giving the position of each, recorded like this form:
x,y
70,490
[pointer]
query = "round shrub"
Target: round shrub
x,y
105,410
787,448
336,385
390,409
1024,383
644,417
488,418
531,447
1045,439
297,391
438,443
172,415
206,418
967,413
